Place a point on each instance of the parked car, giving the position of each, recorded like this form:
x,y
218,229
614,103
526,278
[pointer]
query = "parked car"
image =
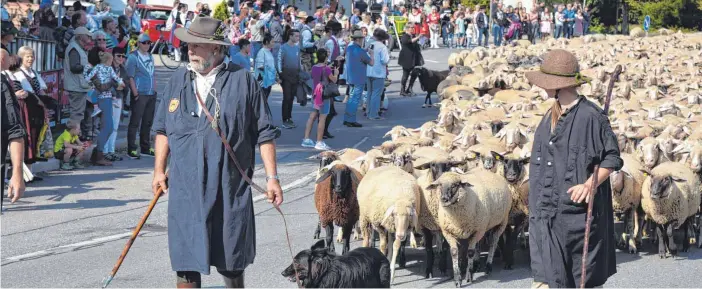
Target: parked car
x,y
153,16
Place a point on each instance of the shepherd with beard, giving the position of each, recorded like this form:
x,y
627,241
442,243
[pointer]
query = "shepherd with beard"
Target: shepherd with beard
x,y
210,209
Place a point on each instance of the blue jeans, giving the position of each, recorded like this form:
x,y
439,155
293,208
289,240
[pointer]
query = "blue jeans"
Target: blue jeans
x,y
571,29
482,33
106,125
116,116
559,30
352,104
496,34
375,89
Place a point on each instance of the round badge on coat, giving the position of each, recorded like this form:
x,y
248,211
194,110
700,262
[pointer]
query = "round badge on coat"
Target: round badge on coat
x,y
173,105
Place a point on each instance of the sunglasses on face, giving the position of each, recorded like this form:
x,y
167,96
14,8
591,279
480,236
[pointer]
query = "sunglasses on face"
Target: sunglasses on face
x,y
119,55
146,42
101,40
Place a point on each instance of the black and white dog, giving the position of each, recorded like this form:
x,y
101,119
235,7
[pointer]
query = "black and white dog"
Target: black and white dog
x,y
429,80
359,268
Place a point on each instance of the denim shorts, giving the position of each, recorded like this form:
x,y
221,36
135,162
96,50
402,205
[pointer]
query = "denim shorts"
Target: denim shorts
x,y
325,108
459,35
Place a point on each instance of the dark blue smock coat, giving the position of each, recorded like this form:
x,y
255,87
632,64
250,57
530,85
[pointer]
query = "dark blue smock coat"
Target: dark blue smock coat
x,y
210,207
582,138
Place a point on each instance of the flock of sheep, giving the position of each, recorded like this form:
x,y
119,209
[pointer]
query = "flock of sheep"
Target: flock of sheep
x,y
463,178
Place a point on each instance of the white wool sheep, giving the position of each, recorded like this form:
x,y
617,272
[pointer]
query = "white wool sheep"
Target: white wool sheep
x,y
388,198
670,196
472,206
650,153
626,198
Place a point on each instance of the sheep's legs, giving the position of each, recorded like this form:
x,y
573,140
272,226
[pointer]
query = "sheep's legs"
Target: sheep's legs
x,y
428,248
463,257
633,234
357,232
339,235
366,232
662,240
318,230
509,241
672,245
443,247
472,243
347,239
427,99
453,243
494,239
383,241
395,250
329,237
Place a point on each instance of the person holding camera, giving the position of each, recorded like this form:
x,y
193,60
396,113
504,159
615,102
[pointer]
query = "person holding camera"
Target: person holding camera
x,y
377,72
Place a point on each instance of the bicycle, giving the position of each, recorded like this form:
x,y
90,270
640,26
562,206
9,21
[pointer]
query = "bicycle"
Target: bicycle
x,y
166,51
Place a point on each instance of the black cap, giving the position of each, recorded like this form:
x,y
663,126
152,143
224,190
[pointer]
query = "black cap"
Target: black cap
x,y
8,28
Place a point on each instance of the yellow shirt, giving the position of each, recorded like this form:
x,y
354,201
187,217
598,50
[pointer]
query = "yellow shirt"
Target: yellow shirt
x,y
65,137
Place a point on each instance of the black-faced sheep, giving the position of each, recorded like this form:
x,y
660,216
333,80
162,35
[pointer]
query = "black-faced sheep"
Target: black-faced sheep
x,y
472,206
626,200
514,170
670,196
336,202
388,199
428,79
360,268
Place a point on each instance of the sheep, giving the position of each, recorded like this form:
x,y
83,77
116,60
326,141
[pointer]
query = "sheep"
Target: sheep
x,y
483,151
428,79
471,206
670,196
650,153
513,135
388,198
514,169
386,147
626,199
397,132
336,202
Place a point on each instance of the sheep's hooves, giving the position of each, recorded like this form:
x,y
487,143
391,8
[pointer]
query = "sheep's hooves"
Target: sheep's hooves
x,y
458,284
632,250
488,269
508,267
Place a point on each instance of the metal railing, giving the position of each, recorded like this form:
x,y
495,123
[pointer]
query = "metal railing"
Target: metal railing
x,y
45,58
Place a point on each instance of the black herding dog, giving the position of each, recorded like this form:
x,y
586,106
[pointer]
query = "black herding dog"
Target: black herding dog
x,y
429,80
359,268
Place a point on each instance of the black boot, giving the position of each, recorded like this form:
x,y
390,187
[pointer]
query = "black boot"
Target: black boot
x,y
330,116
234,282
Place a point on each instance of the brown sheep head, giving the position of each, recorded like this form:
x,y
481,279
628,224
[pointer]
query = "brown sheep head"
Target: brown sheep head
x,y
342,179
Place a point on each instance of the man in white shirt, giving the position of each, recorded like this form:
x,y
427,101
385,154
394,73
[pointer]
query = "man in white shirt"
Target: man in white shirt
x,y
377,72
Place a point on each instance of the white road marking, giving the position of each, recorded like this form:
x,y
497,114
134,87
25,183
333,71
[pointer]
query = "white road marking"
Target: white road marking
x,y
95,241
429,60
305,178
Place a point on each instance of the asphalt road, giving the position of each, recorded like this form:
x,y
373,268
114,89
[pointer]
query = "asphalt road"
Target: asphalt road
x,y
69,229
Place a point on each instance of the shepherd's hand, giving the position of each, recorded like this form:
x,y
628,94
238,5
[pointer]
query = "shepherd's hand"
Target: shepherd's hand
x,y
160,181
15,189
580,193
274,192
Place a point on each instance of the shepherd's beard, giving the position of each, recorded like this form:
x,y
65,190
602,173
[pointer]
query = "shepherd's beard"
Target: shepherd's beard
x,y
201,65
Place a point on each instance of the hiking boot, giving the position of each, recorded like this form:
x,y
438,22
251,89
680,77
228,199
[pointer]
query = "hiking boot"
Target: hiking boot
x,y
322,146
148,153
352,124
289,124
134,155
307,143
66,167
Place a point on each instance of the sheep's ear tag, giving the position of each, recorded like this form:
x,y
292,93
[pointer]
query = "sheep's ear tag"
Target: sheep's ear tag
x,y
497,158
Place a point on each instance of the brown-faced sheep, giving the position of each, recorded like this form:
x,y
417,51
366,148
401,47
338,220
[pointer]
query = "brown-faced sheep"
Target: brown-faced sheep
x,y
388,199
515,170
336,202
626,199
472,206
670,196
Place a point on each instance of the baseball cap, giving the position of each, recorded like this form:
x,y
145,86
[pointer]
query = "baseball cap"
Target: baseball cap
x,y
143,37
82,31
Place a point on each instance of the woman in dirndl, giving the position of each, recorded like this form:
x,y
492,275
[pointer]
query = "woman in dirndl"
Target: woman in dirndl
x,y
32,107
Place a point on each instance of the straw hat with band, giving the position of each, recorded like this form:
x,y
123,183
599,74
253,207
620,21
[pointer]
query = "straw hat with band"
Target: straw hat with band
x,y
203,29
559,70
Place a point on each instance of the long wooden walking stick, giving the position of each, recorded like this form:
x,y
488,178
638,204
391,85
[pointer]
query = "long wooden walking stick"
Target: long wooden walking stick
x,y
135,233
595,181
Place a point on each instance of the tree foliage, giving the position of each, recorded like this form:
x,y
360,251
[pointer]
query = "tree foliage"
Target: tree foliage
x,y
221,12
472,3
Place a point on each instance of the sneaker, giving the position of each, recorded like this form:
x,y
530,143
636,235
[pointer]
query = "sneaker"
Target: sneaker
x,y
66,167
307,143
322,146
133,155
149,153
96,112
77,165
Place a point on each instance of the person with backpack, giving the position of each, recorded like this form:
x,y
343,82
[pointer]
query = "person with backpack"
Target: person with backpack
x,y
307,43
481,23
321,75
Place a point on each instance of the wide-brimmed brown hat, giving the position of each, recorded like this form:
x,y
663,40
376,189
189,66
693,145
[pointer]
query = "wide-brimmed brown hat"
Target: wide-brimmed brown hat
x,y
203,30
559,70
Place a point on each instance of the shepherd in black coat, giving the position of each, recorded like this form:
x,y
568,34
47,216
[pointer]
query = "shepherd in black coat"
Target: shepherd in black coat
x,y
429,80
359,268
410,57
